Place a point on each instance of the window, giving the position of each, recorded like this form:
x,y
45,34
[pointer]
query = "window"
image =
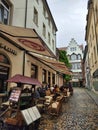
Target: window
x,y
52,29
34,70
49,78
37,1
48,37
48,21
4,12
3,59
53,46
35,19
73,66
73,57
78,65
44,30
44,75
53,79
79,57
44,11
73,49
4,72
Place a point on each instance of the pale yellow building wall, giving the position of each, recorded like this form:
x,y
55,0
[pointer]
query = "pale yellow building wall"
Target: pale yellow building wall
x,y
92,38
15,60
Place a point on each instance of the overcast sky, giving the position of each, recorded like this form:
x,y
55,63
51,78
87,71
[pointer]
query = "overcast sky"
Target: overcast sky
x,y
70,19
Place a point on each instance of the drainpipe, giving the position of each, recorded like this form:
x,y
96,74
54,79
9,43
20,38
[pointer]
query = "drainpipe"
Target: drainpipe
x,y
23,70
26,5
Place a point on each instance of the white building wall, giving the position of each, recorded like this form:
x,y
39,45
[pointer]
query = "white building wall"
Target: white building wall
x,y
73,44
18,13
74,48
19,8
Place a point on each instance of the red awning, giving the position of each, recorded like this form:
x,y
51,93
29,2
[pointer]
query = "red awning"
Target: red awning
x,y
24,80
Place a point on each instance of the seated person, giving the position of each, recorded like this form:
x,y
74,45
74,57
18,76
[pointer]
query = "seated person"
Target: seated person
x,y
48,92
36,94
42,91
62,88
56,89
70,88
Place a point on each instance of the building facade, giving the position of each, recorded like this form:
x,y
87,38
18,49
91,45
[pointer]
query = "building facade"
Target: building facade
x,y
86,70
28,43
20,55
30,14
91,38
75,56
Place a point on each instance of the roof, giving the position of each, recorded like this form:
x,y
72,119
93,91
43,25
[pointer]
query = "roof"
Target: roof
x,y
26,39
62,48
24,80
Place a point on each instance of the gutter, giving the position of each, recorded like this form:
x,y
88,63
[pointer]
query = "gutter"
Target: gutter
x,y
26,13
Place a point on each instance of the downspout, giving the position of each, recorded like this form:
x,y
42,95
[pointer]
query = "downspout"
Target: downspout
x,y
26,5
23,70
25,24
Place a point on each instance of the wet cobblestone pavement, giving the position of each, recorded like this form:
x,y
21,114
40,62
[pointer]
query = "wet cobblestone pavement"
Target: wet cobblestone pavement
x,y
79,113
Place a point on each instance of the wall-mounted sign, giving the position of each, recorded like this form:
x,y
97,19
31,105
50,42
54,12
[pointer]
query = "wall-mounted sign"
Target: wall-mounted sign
x,y
8,49
32,45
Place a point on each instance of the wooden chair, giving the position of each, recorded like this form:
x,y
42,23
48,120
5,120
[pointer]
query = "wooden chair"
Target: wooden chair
x,y
56,106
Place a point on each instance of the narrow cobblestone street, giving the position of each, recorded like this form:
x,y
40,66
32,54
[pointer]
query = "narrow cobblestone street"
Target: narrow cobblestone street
x,y
79,113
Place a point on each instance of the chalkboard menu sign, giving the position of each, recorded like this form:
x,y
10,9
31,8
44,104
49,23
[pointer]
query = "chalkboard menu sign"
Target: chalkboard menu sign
x,y
15,94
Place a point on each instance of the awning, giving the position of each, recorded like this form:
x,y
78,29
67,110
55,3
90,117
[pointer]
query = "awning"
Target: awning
x,y
56,65
24,80
27,39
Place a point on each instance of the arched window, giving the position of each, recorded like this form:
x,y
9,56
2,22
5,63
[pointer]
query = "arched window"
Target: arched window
x,y
79,57
4,72
4,59
73,57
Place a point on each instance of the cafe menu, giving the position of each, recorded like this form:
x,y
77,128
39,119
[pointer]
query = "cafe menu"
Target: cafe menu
x,y
15,94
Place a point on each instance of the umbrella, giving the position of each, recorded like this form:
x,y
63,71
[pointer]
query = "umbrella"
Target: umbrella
x,y
24,80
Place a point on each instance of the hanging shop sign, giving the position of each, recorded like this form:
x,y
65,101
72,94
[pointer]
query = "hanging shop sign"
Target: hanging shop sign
x,y
8,49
